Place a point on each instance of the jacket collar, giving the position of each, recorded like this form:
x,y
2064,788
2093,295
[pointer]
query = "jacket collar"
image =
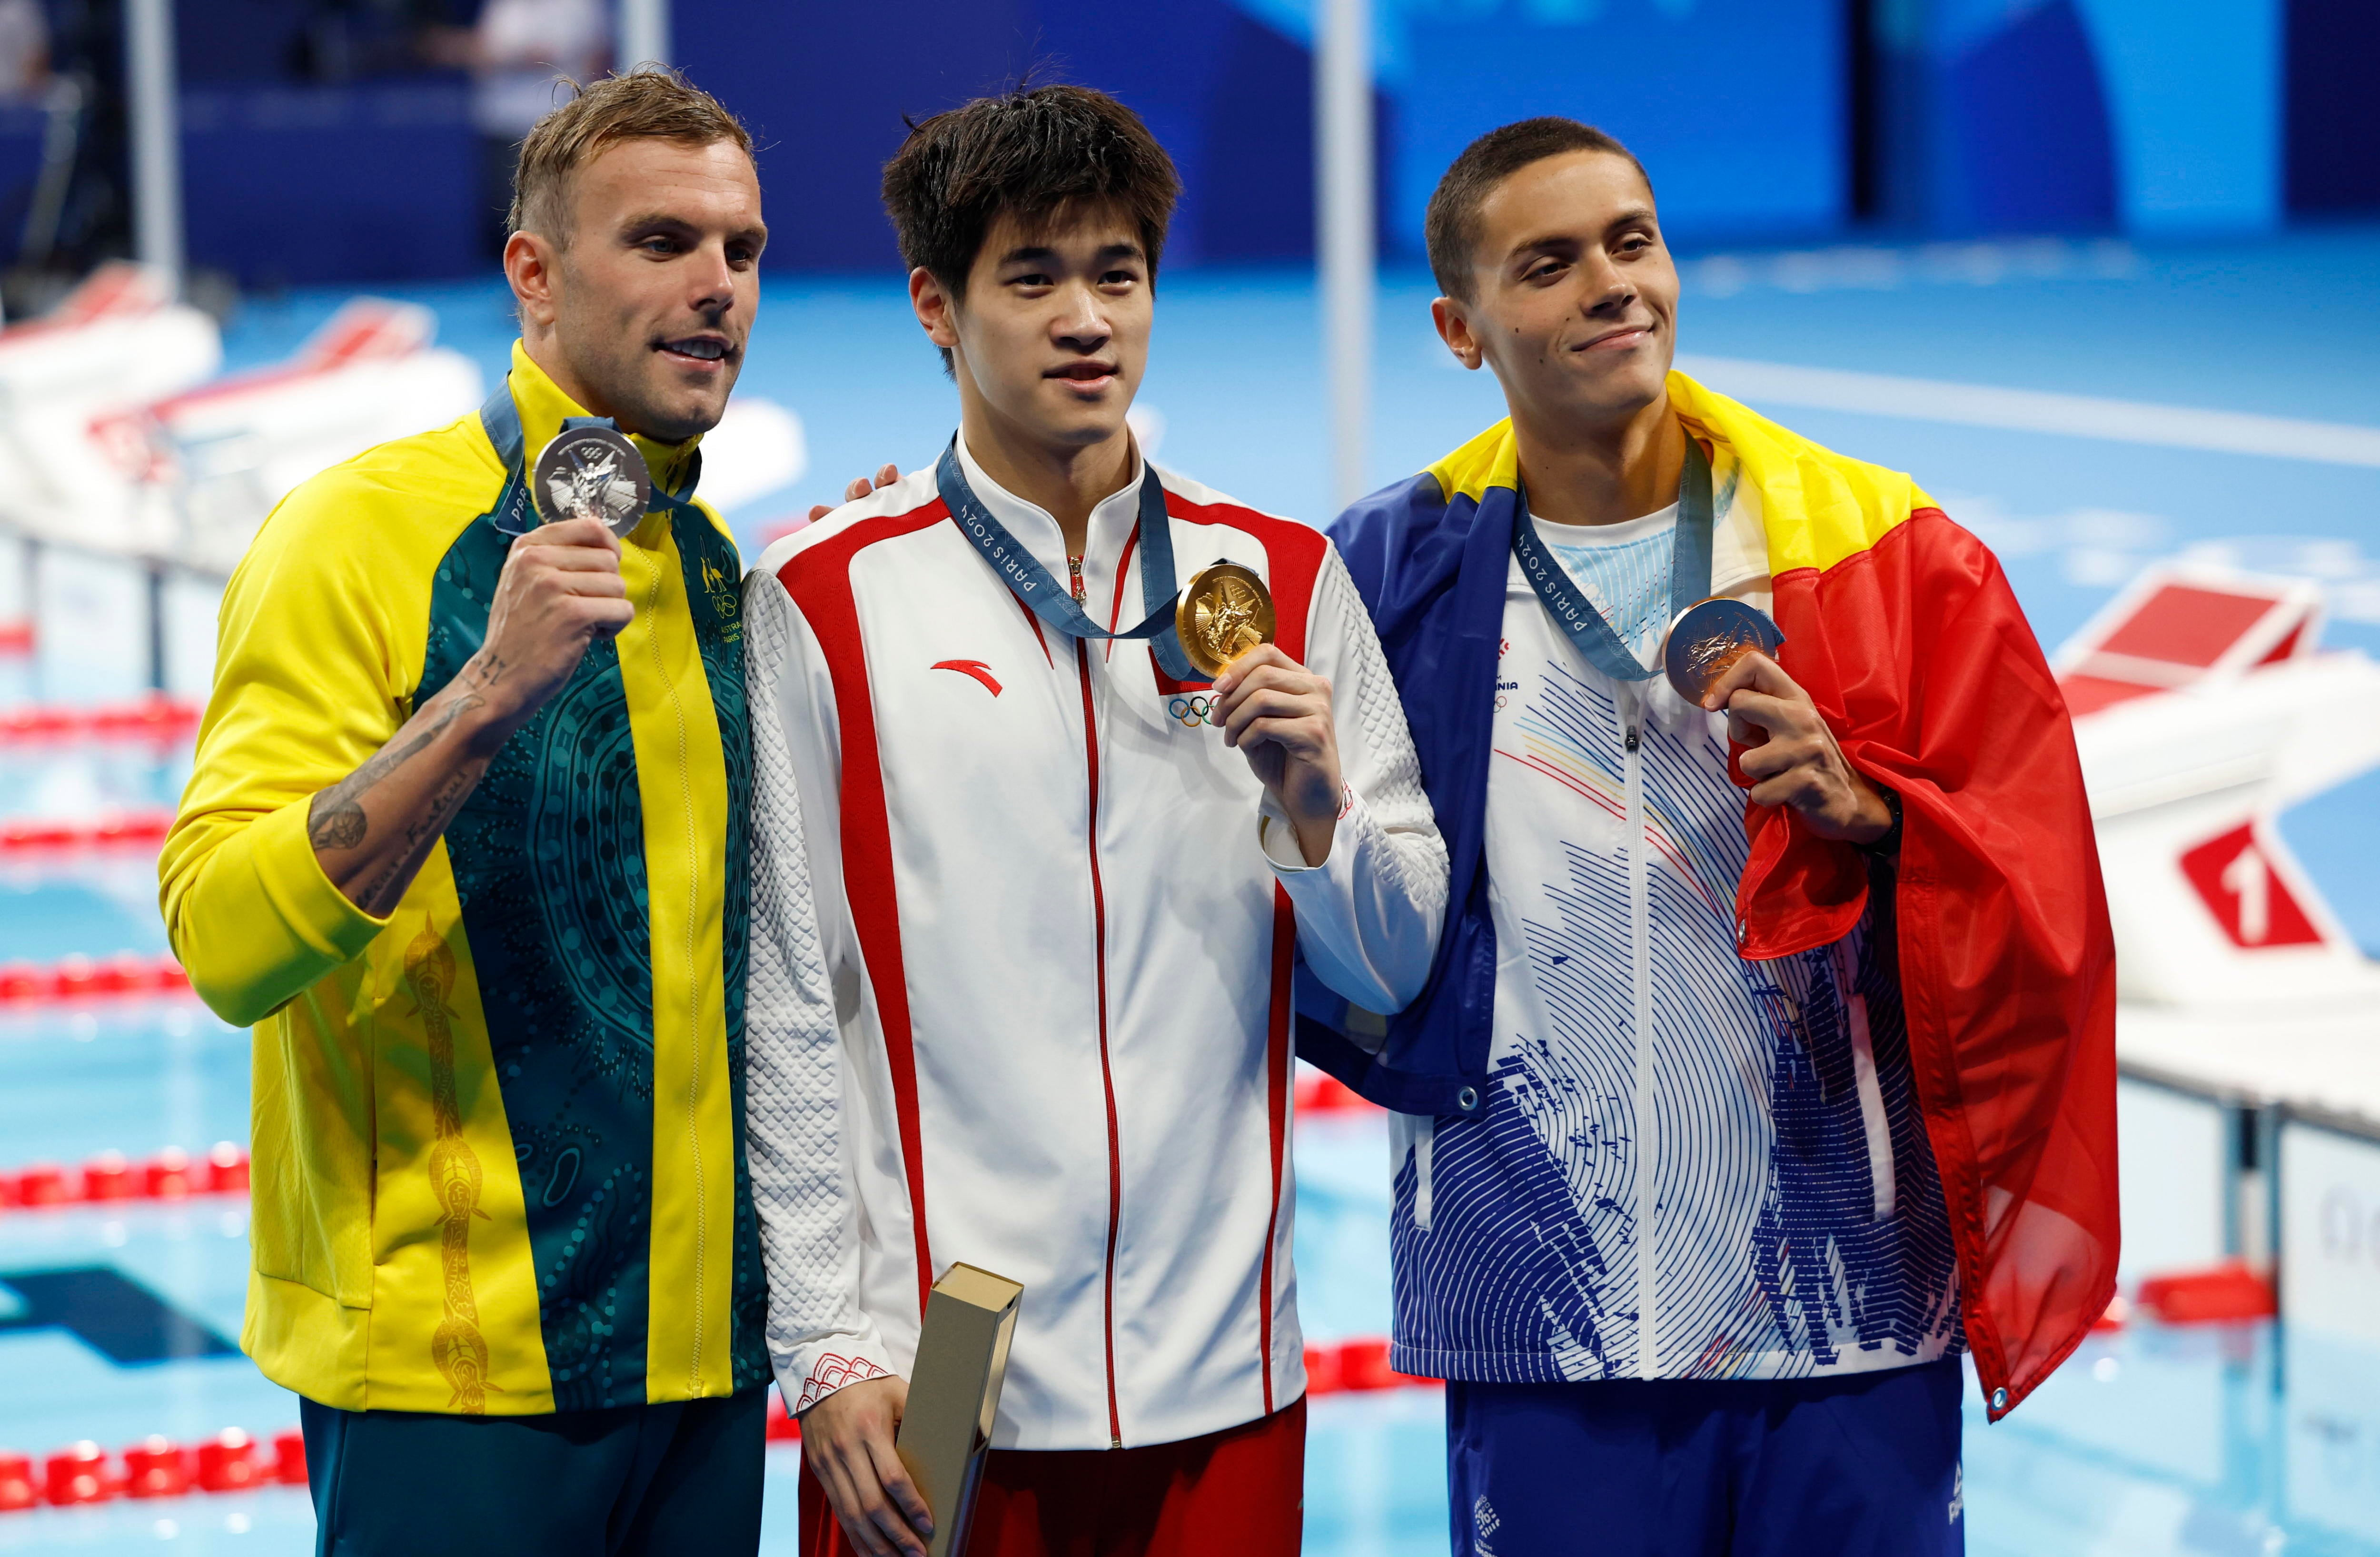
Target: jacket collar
x,y
543,408
1114,519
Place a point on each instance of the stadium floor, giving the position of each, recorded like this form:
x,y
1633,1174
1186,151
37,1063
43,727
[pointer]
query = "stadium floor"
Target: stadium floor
x,y
2152,1441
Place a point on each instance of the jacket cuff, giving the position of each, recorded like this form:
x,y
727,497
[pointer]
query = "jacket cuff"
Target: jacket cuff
x,y
263,923
817,1370
1277,835
290,879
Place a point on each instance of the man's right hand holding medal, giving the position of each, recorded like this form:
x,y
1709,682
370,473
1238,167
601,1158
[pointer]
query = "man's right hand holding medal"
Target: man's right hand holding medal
x,y
1277,713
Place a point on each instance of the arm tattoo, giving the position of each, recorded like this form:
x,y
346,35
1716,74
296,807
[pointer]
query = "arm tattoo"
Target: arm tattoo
x,y
379,897
336,820
340,826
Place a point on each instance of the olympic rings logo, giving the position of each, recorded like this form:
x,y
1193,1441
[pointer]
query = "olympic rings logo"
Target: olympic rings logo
x,y
1190,712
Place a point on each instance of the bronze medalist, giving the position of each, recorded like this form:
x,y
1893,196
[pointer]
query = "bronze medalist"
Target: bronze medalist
x,y
1225,612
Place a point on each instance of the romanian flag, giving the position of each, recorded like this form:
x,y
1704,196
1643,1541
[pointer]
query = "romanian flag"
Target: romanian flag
x,y
1903,630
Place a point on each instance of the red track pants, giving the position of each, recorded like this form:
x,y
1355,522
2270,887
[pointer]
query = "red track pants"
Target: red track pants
x,y
1240,1490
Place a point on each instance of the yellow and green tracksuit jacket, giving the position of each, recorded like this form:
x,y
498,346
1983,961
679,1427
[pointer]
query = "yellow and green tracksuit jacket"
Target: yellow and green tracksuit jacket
x,y
498,1135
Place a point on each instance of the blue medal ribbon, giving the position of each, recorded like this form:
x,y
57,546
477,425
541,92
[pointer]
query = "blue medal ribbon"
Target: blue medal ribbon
x,y
1032,583
1689,572
516,511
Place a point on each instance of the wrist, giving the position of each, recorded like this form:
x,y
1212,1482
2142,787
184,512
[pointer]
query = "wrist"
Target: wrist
x,y
1879,828
482,714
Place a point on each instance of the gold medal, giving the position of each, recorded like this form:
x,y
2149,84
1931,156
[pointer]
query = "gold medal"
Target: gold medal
x,y
1225,612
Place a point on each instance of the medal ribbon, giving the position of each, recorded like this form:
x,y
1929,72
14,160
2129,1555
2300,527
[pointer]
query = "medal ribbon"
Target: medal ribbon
x,y
516,512
1689,572
1033,584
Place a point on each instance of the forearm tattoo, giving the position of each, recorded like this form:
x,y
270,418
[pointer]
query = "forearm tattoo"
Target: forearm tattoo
x,y
336,820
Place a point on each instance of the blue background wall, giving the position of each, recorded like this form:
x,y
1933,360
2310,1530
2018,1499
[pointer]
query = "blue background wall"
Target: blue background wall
x,y
1760,119
1737,105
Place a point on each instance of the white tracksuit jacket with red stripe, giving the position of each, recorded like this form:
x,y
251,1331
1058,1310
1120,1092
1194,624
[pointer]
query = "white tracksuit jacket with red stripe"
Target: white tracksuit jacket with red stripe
x,y
1022,942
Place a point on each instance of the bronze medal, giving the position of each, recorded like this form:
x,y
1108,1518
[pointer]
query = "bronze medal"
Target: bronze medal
x,y
1710,635
1225,612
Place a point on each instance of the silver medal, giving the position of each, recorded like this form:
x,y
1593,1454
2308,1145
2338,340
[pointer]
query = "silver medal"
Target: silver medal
x,y
592,473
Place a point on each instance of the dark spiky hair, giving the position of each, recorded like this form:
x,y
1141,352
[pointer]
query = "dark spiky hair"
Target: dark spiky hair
x,y
1036,152
1451,226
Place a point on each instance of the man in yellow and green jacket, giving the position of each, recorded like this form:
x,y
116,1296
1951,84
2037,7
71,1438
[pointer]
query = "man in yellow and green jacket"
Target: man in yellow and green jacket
x,y
465,842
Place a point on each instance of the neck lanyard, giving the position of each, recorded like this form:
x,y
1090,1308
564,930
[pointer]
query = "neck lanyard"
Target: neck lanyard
x,y
514,512
1689,572
1032,584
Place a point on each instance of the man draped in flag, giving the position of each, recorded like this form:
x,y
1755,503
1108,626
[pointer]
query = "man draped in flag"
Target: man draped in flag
x,y
1725,1124
1029,891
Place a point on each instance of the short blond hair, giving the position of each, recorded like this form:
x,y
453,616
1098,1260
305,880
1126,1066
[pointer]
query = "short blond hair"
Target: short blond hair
x,y
653,103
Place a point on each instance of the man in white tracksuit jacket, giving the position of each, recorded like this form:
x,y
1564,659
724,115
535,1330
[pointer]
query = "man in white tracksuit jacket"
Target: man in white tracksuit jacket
x,y
1025,913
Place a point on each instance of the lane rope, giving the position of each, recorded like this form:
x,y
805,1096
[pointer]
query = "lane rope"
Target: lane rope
x,y
172,1175
155,1468
126,830
156,717
84,978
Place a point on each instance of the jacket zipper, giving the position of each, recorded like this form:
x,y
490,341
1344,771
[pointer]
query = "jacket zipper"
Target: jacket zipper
x,y
1640,959
1107,1073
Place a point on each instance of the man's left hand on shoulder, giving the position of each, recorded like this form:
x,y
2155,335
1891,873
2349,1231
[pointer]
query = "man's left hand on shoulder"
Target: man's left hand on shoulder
x,y
1791,757
1277,713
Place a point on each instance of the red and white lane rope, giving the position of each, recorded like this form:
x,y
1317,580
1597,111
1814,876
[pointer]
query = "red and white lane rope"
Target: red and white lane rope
x,y
79,978
233,1462
156,717
172,1175
126,830
155,1467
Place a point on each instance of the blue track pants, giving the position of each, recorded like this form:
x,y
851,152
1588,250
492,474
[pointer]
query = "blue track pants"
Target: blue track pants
x,y
1858,1465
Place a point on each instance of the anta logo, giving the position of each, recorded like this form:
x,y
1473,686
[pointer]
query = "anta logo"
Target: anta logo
x,y
975,668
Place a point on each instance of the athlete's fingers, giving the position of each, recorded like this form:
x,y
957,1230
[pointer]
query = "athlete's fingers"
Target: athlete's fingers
x,y
568,582
1771,712
1299,737
886,475
1274,680
1780,755
1265,668
607,618
840,1496
1282,708
1288,677
819,511
894,1477
1255,659
1777,793
592,586
857,490
1752,672
568,558
573,533
850,1482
